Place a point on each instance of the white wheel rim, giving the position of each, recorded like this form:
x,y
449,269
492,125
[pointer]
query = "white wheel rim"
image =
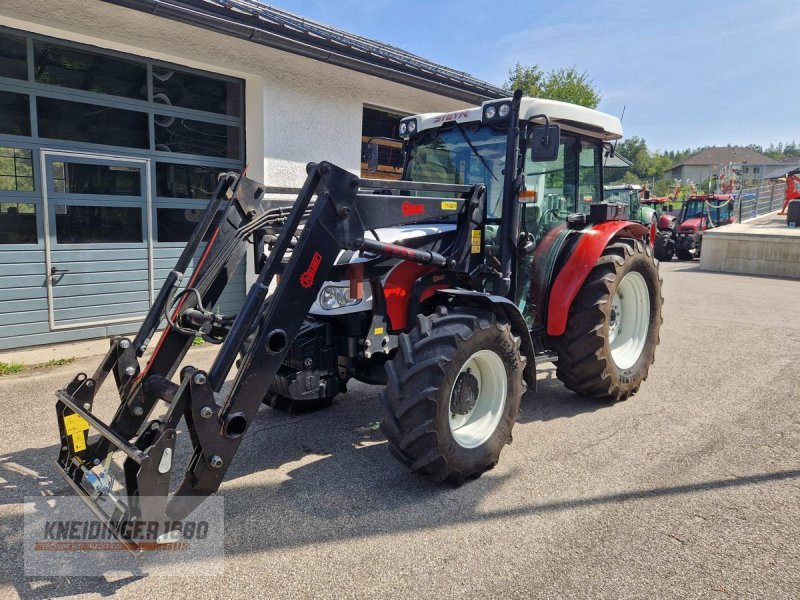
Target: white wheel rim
x,y
629,320
472,429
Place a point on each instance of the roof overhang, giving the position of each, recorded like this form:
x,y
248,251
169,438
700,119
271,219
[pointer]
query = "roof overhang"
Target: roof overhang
x,y
421,74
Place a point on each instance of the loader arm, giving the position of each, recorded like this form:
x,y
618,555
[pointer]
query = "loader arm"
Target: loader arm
x,y
331,213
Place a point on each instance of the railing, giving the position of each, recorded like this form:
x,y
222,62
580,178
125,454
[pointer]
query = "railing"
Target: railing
x,y
756,201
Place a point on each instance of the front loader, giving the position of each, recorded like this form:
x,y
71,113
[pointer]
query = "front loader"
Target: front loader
x,y
446,287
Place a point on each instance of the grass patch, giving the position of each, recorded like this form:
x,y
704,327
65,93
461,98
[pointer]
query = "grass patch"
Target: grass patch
x,y
9,368
18,367
55,362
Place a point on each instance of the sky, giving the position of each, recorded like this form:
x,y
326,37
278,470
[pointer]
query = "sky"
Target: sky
x,y
688,73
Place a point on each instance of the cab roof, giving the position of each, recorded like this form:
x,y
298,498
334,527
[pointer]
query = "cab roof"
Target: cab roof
x,y
570,117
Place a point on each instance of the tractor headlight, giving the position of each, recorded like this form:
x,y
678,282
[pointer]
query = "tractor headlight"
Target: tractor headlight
x,y
498,112
403,128
332,297
412,126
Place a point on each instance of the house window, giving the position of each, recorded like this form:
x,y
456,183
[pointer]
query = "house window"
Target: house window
x,y
380,125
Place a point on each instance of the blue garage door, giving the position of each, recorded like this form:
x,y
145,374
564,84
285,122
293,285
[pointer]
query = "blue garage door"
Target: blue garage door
x,y
98,255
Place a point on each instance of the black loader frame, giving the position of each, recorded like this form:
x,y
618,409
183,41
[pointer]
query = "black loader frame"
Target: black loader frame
x,y
303,239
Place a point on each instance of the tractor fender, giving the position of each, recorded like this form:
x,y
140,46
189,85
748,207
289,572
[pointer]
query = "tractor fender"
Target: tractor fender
x,y
586,252
506,308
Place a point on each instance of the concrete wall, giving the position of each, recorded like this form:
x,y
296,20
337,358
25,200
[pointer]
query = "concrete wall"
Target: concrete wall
x,y
753,248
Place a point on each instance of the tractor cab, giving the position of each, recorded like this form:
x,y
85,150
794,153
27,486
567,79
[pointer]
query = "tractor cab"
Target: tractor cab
x,y
629,195
558,151
710,210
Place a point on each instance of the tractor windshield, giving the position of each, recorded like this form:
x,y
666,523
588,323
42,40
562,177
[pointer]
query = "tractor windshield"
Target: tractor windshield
x,y
465,154
622,196
716,210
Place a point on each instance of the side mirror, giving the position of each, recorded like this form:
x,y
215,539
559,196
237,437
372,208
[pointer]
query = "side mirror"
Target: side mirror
x,y
544,141
371,156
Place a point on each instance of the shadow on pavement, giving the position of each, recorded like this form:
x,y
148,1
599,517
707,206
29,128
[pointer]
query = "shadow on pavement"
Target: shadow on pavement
x,y
325,477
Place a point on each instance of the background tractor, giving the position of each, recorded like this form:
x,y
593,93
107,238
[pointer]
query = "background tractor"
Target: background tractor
x,y
446,287
652,212
698,213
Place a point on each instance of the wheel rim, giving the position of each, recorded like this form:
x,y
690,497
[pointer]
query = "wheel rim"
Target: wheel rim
x,y
474,420
629,320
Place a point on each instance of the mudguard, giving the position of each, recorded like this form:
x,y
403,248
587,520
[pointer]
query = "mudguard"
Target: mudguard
x,y
582,260
506,308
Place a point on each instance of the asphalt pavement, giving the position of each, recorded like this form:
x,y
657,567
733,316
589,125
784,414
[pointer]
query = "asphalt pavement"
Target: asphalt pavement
x,y
689,489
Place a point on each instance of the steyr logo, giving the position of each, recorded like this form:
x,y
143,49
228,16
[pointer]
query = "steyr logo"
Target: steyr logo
x,y
450,116
307,278
410,209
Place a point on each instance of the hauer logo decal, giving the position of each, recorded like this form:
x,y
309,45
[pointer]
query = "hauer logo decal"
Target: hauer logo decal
x,y
410,209
307,278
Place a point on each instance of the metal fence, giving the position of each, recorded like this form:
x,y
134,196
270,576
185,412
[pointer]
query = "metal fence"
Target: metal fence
x,y
756,201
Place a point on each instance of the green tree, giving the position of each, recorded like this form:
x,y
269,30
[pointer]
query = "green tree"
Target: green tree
x,y
566,84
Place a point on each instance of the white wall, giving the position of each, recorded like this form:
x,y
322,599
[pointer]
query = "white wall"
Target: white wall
x,y
297,110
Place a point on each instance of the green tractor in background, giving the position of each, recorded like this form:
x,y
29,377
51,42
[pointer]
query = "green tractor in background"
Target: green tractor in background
x,y
655,213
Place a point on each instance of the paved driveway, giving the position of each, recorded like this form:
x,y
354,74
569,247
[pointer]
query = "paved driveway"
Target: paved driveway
x,y
691,488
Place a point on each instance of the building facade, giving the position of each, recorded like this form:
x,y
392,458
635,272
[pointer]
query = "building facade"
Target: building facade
x,y
115,121
715,161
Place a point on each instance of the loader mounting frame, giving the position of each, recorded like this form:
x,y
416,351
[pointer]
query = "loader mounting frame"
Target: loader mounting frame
x,y
304,239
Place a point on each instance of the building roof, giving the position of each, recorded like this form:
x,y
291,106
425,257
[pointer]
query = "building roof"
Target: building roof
x,y
270,26
718,156
783,170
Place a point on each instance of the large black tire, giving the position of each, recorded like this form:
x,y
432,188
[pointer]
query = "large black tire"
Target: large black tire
x,y
793,213
585,361
418,394
664,246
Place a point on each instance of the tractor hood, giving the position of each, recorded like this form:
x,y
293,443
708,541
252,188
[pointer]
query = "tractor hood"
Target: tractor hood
x,y
666,221
691,225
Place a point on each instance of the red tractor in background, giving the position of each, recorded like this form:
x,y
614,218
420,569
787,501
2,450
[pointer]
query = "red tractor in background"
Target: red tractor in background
x,y
791,201
699,213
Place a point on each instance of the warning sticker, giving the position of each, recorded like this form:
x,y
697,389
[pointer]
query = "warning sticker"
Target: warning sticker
x,y
449,205
476,241
75,424
378,331
78,442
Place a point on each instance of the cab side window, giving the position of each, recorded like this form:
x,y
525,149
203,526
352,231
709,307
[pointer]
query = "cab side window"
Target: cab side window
x,y
590,163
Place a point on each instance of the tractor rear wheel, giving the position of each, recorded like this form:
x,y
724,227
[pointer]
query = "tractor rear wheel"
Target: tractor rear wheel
x,y
664,246
453,393
613,325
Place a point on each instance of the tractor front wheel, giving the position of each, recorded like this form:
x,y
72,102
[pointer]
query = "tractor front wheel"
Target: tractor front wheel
x,y
664,246
613,325
453,393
